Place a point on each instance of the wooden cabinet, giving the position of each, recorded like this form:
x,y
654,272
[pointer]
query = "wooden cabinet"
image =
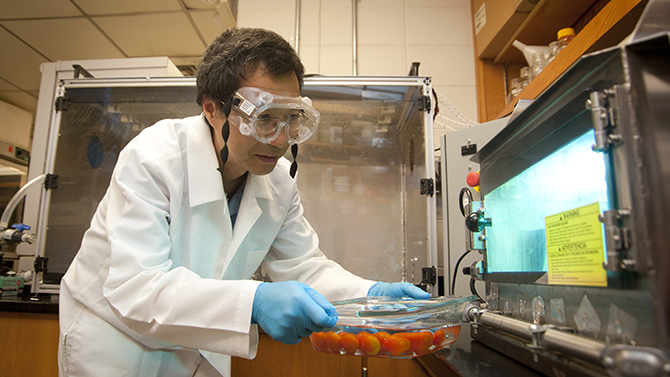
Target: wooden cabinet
x,y
29,344
599,24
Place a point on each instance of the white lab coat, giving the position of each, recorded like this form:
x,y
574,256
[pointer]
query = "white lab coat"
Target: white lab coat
x,y
161,279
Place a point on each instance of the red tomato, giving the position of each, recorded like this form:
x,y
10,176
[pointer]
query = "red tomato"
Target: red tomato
x,y
349,342
420,341
438,337
382,335
370,345
396,345
333,342
319,341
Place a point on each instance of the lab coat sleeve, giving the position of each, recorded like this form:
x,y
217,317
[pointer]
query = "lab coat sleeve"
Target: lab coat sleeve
x,y
143,289
295,255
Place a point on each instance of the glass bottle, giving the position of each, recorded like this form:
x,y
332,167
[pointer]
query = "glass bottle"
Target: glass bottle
x,y
553,51
515,89
524,77
539,62
564,37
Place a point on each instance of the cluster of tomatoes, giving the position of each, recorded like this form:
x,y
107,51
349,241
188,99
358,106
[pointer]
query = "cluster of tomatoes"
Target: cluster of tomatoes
x,y
383,344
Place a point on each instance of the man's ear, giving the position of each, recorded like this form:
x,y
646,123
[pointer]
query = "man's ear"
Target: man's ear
x,y
209,107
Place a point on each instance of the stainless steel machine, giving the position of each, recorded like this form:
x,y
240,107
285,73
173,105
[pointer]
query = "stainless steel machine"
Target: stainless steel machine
x,y
573,220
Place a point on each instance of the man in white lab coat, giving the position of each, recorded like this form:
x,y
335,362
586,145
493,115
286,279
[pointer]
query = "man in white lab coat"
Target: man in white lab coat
x,y
161,284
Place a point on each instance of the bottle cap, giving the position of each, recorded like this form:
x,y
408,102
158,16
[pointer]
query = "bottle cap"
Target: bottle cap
x,y
565,32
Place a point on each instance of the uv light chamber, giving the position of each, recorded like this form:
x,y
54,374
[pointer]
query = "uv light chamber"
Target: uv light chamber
x,y
365,176
573,223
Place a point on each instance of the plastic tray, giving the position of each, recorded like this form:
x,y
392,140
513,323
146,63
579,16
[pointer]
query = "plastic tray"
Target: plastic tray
x,y
391,327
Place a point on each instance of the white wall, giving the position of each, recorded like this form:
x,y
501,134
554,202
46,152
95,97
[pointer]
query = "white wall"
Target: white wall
x,y
391,35
15,125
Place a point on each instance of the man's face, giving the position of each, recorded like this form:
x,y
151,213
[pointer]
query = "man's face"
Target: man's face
x,y
245,153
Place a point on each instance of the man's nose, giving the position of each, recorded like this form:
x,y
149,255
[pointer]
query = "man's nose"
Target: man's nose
x,y
282,139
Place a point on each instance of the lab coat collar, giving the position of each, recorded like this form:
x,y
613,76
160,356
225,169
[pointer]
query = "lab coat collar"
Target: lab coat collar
x,y
204,181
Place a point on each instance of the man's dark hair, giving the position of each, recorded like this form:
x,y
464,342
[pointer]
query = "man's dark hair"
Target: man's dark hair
x,y
236,54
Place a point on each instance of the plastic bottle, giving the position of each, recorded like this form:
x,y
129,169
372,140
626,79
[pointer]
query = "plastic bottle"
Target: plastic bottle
x,y
564,37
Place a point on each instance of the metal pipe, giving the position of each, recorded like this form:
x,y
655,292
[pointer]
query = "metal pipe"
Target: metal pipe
x,y
354,46
16,199
583,348
297,27
555,340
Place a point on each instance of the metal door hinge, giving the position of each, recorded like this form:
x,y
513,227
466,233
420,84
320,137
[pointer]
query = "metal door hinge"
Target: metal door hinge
x,y
603,115
427,186
41,264
429,275
617,240
51,182
424,103
61,103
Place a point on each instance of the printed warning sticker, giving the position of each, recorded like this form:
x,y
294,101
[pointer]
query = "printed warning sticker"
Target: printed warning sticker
x,y
575,250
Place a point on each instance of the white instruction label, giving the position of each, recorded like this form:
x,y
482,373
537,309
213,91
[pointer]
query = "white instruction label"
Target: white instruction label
x,y
247,107
480,18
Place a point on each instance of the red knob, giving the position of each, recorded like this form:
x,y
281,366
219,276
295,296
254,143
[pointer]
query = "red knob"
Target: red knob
x,y
472,179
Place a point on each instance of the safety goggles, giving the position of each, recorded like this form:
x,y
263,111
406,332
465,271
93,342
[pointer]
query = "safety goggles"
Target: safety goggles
x,y
265,115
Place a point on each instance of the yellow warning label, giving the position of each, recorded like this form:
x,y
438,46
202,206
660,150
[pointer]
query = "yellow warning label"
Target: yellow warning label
x,y
575,250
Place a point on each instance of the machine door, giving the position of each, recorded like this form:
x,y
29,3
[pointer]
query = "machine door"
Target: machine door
x,y
91,126
360,175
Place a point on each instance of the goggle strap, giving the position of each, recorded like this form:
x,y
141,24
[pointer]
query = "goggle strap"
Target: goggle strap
x,y
294,164
225,133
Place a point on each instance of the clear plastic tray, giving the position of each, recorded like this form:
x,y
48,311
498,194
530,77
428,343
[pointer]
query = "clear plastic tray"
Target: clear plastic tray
x,y
392,327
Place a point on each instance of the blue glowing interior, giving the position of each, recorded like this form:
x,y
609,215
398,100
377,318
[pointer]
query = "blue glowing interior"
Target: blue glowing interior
x,y
571,177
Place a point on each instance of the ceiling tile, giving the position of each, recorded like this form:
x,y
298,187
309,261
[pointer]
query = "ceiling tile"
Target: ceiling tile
x,y
12,9
106,7
21,67
64,38
162,34
22,100
6,86
209,28
201,4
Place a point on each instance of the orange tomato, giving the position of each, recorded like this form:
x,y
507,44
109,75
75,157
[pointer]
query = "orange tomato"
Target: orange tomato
x,y
319,341
333,342
370,345
382,335
420,341
396,345
349,342
362,335
438,337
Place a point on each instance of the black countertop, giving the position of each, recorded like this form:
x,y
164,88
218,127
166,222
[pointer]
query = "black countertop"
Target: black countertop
x,y
28,303
470,358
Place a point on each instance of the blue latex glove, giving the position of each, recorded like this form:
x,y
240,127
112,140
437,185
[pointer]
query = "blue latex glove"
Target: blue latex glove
x,y
290,310
397,290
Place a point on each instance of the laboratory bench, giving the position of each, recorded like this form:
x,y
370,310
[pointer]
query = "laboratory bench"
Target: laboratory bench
x,y
29,336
